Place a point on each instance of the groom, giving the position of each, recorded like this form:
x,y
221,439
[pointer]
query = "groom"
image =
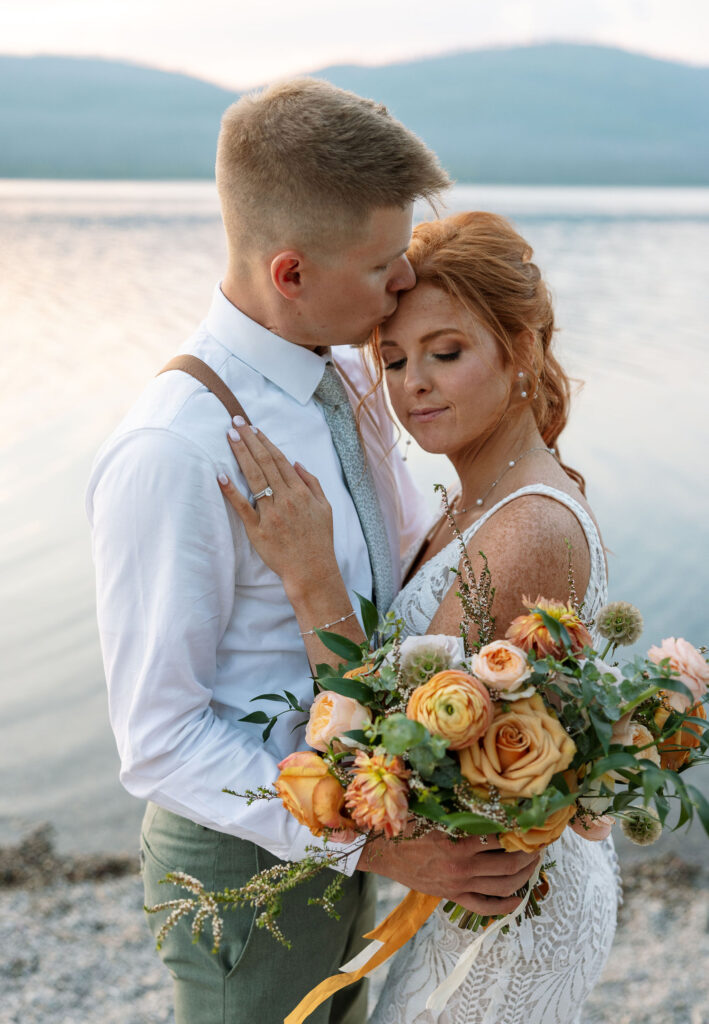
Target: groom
x,y
316,188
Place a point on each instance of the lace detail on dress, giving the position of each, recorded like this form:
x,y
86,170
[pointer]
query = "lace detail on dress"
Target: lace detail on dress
x,y
542,972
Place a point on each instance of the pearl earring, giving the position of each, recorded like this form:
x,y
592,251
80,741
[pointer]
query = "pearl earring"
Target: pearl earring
x,y
520,377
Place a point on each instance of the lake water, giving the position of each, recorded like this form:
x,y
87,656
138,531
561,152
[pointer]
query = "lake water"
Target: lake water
x,y
100,283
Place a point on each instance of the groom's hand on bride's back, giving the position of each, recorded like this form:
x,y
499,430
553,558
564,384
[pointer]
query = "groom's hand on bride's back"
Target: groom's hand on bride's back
x,y
482,877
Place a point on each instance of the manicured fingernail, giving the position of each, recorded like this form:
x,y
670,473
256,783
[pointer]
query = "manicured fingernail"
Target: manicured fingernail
x,y
234,434
239,421
223,479
255,430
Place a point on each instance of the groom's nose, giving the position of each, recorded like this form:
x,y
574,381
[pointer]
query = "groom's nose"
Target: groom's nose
x,y
402,276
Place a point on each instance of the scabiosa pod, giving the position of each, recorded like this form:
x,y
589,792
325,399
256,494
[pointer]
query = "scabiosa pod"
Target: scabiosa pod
x,y
422,657
642,825
620,623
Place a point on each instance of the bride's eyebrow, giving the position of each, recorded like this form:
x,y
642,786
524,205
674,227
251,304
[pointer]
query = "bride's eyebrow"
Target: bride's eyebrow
x,y
424,338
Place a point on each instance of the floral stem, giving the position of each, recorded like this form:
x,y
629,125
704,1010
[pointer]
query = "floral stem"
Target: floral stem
x,y
650,692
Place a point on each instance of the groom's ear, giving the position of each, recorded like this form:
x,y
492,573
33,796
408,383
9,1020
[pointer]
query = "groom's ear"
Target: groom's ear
x,y
286,270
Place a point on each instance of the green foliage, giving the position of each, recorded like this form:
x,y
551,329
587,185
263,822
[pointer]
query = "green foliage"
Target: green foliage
x,y
370,616
399,733
342,646
347,687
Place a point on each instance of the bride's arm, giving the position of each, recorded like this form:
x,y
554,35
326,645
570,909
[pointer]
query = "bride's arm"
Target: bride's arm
x,y
292,532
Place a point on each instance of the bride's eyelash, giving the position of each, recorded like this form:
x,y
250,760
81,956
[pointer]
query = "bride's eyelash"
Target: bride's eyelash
x,y
444,357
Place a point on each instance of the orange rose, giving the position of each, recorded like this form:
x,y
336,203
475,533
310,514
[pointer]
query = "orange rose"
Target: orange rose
x,y
311,794
542,835
677,748
332,715
520,751
453,705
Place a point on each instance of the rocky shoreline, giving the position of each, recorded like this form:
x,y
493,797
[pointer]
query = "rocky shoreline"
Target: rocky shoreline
x,y
74,948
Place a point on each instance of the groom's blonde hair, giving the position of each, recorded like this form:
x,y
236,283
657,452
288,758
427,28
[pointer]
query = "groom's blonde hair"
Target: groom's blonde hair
x,y
303,164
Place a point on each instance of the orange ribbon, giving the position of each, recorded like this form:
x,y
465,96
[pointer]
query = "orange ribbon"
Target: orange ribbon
x,y
395,930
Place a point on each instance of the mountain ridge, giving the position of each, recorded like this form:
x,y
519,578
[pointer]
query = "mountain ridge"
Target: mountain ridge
x,y
555,113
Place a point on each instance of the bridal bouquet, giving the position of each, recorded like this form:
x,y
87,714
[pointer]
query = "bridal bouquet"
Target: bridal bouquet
x,y
521,737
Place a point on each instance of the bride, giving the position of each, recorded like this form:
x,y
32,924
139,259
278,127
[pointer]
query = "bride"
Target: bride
x,y
470,375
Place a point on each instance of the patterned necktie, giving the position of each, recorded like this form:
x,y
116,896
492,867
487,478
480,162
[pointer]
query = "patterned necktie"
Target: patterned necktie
x,y
331,395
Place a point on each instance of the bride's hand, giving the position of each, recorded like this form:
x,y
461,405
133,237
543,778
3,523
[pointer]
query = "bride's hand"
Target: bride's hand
x,y
290,528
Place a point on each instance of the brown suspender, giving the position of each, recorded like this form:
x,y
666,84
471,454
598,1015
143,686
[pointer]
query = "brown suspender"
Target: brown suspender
x,y
198,369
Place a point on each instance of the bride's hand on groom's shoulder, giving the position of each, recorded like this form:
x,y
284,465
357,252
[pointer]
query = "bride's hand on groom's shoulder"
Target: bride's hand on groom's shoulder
x,y
292,518
478,875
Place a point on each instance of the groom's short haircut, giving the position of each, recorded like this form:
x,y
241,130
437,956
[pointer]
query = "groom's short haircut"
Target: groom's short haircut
x,y
303,164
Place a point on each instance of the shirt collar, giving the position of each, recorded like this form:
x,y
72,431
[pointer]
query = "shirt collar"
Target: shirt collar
x,y
293,368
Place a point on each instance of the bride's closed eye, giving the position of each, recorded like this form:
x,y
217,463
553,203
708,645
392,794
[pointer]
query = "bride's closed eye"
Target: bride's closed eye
x,y
443,357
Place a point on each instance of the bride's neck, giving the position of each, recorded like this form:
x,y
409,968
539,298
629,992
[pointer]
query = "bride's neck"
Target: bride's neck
x,y
484,461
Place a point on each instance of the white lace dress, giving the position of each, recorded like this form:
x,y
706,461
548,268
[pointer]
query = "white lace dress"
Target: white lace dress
x,y
542,972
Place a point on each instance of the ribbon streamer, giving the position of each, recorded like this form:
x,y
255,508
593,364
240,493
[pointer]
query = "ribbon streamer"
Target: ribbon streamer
x,y
438,999
395,930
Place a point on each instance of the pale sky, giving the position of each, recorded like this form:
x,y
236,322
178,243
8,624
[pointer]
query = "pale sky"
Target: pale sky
x,y
239,44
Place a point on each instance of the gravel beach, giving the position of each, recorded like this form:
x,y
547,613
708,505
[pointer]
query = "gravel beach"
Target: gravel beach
x,y
74,948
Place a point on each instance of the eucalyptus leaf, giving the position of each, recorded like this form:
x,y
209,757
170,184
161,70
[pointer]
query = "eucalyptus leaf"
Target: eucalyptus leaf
x,y
399,733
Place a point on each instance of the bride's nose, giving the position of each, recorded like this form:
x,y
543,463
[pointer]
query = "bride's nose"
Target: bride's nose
x,y
416,381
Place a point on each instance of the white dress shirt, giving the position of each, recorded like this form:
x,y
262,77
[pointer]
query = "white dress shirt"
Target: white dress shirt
x,y
192,623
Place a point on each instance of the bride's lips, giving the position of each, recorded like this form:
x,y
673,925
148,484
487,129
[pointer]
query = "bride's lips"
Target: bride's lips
x,y
425,415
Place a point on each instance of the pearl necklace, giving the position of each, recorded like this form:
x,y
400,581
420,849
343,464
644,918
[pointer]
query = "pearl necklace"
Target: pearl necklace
x,y
508,467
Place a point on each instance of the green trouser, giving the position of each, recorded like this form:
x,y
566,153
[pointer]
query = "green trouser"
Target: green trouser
x,y
253,979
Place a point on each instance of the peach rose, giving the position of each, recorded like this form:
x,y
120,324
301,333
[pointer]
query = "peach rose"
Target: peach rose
x,y
633,734
520,751
454,705
593,829
542,835
332,715
377,797
530,633
502,666
312,795
689,665
676,750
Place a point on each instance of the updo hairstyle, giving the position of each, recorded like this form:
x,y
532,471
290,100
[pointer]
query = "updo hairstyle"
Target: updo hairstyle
x,y
481,261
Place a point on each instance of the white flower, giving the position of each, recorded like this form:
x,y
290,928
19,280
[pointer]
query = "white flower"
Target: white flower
x,y
605,669
423,656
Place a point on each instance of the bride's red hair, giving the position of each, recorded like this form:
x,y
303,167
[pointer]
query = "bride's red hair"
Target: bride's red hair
x,y
480,260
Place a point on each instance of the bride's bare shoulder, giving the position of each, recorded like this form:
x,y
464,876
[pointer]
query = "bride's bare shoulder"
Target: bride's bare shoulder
x,y
525,544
